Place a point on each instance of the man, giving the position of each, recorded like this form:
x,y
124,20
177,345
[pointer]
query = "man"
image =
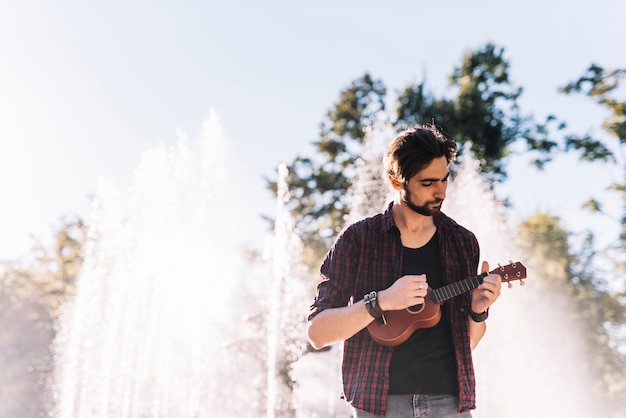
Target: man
x,y
397,255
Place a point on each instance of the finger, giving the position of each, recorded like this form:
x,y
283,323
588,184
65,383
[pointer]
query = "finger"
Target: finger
x,y
413,278
485,267
493,280
490,286
417,301
490,289
420,278
420,281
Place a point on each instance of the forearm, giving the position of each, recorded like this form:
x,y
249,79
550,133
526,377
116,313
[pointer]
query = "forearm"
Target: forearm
x,y
337,324
482,298
476,332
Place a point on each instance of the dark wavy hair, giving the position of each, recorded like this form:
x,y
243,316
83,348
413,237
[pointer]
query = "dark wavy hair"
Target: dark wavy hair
x,y
414,149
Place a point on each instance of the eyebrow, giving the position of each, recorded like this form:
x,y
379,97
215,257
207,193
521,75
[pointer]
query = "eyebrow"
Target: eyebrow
x,y
434,179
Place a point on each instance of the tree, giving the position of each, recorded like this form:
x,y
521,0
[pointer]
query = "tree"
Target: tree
x,y
30,297
608,318
601,85
50,279
317,186
484,115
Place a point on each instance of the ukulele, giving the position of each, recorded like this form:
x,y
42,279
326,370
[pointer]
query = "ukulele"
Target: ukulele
x,y
396,327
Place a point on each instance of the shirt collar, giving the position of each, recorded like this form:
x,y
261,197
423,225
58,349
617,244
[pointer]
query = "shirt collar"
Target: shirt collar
x,y
388,222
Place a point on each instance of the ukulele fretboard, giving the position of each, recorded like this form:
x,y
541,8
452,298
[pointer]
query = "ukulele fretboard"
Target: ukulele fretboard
x,y
457,288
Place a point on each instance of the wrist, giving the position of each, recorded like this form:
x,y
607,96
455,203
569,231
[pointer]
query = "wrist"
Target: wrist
x,y
478,317
373,307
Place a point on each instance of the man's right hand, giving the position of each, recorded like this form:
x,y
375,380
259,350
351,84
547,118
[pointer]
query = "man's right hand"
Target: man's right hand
x,y
408,290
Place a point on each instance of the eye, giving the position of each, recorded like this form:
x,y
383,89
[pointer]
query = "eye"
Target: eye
x,y
426,183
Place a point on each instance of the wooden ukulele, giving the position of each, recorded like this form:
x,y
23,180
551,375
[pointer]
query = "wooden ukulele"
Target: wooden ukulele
x,y
397,326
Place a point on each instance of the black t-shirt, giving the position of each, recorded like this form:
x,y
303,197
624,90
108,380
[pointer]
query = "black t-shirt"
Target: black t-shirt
x,y
425,363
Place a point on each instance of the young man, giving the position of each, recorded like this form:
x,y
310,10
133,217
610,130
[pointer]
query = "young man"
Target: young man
x,y
399,254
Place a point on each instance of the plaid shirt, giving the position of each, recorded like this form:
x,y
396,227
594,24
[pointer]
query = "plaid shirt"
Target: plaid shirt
x,y
367,256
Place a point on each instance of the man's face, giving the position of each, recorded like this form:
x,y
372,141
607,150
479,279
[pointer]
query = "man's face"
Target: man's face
x,y
424,192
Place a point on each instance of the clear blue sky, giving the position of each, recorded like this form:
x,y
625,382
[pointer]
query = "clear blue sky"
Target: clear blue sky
x,y
86,87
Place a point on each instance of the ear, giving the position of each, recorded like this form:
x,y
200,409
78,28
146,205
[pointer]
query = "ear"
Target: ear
x,y
395,183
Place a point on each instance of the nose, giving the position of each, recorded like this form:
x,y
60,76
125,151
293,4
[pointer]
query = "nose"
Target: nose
x,y
440,190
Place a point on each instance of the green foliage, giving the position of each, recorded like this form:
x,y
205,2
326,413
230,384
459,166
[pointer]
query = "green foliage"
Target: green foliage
x,y
592,205
602,86
590,149
540,139
414,107
318,199
50,280
357,108
484,115
486,107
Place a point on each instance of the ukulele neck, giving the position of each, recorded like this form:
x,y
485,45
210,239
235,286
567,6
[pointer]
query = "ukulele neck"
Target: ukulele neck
x,y
457,288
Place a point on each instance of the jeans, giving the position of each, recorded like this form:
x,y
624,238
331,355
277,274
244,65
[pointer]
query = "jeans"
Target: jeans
x,y
418,406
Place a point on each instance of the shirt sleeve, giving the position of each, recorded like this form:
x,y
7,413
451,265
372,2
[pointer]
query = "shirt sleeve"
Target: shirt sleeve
x,y
338,272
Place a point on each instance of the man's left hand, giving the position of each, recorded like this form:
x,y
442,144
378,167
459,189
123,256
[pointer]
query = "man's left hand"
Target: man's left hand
x,y
487,293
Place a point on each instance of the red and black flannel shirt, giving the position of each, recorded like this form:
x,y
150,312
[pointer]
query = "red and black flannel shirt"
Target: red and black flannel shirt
x,y
367,256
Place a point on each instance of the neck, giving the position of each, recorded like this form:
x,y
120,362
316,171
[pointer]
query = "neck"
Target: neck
x,y
406,218
415,229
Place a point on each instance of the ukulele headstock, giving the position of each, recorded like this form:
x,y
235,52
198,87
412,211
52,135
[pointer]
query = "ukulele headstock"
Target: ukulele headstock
x,y
510,272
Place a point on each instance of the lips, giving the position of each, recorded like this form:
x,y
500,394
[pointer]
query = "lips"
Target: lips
x,y
437,203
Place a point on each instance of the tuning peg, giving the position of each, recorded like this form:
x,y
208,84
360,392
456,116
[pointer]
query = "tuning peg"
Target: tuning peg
x,y
510,285
522,282
512,263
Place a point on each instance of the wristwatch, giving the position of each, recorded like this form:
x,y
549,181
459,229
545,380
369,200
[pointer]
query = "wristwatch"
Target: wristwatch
x,y
478,317
373,308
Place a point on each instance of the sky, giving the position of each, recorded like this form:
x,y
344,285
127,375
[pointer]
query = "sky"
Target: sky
x,y
87,87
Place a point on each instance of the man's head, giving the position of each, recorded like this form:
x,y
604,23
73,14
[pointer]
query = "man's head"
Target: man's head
x,y
416,163
414,149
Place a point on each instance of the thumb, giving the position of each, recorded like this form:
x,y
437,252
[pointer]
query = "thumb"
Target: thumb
x,y
485,267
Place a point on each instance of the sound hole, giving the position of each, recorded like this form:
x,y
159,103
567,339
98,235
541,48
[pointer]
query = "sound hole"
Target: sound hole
x,y
416,308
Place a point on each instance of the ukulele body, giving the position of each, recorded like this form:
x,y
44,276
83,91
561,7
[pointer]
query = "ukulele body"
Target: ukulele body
x,y
401,324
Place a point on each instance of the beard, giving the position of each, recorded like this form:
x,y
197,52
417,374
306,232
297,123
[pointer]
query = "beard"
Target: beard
x,y
426,209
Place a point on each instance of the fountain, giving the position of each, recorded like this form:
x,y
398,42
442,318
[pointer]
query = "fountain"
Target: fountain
x,y
159,316
170,320
287,291
532,361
